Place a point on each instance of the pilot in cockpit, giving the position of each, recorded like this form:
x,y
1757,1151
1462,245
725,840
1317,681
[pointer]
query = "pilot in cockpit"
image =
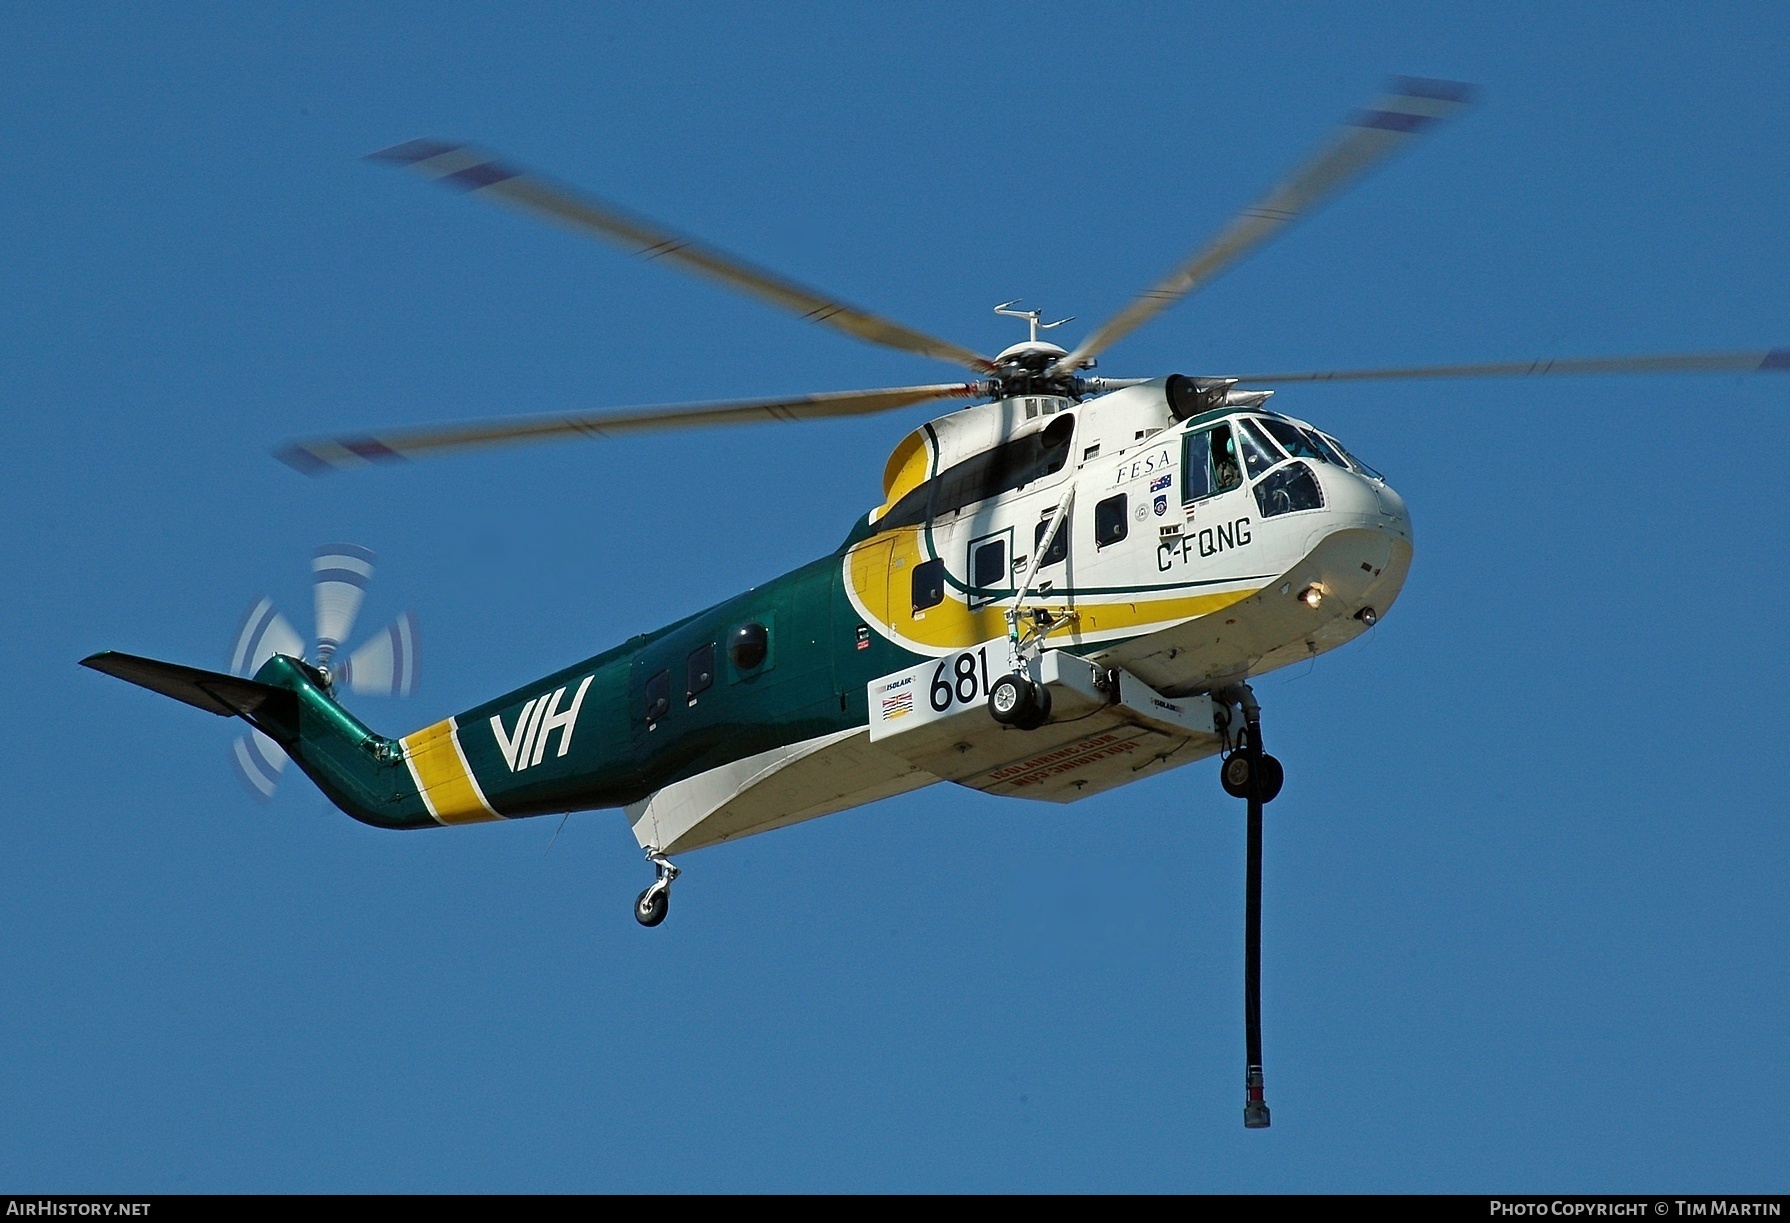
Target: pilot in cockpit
x,y
1224,460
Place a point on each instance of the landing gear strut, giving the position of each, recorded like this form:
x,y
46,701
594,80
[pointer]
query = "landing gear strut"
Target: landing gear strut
x,y
651,905
1250,773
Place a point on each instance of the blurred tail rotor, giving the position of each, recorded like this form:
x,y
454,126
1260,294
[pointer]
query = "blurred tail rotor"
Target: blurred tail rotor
x,y
384,665
340,573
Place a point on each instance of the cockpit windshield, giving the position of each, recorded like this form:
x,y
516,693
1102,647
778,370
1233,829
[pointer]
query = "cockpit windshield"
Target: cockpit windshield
x,y
1259,454
1354,462
1303,443
1300,444
1298,441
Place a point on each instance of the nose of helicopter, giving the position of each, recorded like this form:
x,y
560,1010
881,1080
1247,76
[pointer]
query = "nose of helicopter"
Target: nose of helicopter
x,y
1354,500
1395,517
1362,548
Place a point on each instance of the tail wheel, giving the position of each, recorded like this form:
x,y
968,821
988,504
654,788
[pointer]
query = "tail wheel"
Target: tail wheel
x,y
651,905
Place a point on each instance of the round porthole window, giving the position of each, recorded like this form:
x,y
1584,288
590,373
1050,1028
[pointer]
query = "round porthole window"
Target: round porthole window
x,y
748,646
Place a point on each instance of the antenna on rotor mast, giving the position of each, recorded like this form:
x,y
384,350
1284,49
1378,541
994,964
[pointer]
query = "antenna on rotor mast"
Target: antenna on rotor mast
x,y
1030,316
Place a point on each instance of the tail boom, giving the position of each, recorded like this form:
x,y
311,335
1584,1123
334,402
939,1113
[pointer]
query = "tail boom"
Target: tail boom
x,y
388,783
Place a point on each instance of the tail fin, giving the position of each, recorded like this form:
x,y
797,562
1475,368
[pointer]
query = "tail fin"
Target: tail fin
x,y
363,773
225,695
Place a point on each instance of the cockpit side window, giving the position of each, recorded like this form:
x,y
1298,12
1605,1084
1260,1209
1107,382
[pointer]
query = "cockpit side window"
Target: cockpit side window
x,y
1209,463
1259,453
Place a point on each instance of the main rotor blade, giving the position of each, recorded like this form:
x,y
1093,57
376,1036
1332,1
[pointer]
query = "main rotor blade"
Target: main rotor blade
x,y
317,456
1415,105
1773,360
472,169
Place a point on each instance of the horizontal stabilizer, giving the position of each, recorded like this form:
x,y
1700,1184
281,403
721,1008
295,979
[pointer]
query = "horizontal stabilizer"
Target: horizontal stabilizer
x,y
225,695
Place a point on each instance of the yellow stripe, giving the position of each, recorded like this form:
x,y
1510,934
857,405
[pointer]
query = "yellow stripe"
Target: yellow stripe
x,y
447,785
878,569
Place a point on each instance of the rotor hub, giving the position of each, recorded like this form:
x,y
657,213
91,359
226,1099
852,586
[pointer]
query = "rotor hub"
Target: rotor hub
x,y
1024,369
1034,355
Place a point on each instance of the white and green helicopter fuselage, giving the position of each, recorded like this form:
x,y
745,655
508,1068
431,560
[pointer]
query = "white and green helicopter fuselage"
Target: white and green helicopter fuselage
x,y
1126,563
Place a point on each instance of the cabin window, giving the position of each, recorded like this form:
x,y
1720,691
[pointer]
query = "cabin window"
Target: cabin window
x,y
988,567
929,584
1006,467
1059,547
1209,463
1259,453
699,671
748,646
991,564
1110,521
1287,489
658,696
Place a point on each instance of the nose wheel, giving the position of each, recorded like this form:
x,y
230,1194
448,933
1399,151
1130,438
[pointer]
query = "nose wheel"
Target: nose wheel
x,y
651,905
1251,774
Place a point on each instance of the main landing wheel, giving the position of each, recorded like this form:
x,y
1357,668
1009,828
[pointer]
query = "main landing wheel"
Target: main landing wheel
x,y
1234,776
1016,701
651,905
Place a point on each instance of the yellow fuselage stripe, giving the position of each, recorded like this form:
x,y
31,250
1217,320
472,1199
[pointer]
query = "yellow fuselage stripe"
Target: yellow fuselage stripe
x,y
444,779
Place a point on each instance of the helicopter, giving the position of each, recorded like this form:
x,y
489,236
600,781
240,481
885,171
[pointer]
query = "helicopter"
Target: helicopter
x,y
1065,587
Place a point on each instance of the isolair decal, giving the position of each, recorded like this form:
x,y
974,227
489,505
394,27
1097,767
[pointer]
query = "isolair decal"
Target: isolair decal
x,y
1207,541
524,745
1153,464
898,698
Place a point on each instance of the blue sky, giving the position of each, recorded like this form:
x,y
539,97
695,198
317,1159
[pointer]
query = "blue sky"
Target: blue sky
x,y
1526,913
